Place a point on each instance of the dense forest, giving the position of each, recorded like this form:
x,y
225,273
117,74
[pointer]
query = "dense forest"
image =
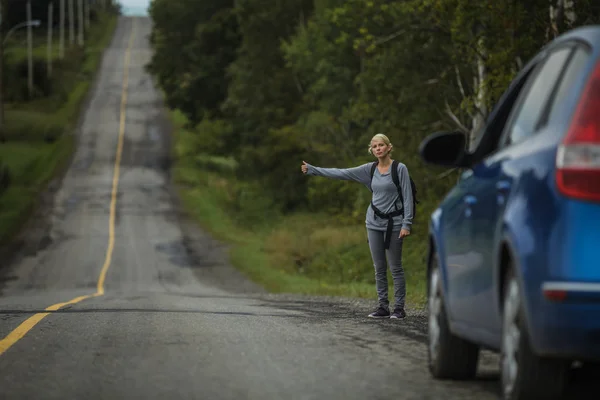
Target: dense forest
x,y
271,83
275,82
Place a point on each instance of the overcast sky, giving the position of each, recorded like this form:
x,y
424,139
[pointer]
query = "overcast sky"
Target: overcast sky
x,y
135,5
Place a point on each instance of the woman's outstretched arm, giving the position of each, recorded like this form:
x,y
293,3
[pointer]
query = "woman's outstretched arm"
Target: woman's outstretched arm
x,y
360,174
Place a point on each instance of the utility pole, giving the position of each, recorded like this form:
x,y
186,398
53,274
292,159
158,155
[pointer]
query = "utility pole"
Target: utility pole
x,y
87,14
61,46
29,50
72,22
49,47
80,13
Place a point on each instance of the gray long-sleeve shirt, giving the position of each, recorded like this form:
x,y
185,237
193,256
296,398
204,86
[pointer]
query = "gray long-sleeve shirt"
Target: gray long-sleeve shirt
x,y
384,191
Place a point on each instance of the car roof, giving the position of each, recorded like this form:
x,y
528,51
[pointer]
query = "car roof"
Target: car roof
x,y
587,33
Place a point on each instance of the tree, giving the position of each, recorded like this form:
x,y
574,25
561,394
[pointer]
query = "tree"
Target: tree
x,y
194,42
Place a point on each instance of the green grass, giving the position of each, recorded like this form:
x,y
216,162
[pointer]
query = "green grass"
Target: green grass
x,y
40,142
32,165
300,253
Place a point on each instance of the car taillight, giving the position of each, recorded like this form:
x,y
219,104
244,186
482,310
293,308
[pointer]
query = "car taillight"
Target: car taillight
x,y
578,156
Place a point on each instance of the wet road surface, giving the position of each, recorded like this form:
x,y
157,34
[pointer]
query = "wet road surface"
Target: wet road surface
x,y
115,296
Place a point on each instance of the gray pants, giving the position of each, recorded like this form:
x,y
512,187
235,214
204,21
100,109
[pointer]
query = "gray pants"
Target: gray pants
x,y
394,257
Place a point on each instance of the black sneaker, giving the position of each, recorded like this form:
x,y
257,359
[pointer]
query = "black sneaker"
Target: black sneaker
x,y
398,313
380,313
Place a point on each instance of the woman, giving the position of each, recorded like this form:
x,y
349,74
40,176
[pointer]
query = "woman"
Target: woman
x,y
386,207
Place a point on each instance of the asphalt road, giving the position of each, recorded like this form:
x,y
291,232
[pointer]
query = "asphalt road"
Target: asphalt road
x,y
153,310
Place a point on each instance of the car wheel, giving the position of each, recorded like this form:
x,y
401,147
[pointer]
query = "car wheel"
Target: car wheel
x,y
524,375
449,356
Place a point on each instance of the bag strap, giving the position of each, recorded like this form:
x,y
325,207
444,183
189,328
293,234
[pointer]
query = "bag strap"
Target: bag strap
x,y
373,171
396,180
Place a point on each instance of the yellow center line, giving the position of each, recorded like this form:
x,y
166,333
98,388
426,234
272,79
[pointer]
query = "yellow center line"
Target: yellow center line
x,y
30,322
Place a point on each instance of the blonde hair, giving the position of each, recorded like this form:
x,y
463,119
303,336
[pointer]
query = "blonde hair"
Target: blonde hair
x,y
384,139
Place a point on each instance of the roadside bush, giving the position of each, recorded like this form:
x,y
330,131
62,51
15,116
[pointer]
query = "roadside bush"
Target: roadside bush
x,y
213,136
33,126
280,157
344,199
321,249
252,207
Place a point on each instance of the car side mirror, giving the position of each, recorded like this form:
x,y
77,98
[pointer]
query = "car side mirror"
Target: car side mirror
x,y
446,149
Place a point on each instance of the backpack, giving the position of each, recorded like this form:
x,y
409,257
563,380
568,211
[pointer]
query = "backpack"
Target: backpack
x,y
396,180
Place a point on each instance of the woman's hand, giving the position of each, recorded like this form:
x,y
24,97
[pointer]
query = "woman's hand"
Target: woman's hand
x,y
304,167
404,233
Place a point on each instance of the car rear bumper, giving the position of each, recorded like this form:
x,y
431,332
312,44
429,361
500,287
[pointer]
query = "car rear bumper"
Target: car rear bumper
x,y
565,322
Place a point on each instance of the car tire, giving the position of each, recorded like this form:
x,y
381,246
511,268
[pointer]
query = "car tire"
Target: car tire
x,y
524,375
449,356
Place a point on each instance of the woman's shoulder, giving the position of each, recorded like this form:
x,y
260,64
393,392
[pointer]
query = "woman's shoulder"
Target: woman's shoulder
x,y
367,165
401,165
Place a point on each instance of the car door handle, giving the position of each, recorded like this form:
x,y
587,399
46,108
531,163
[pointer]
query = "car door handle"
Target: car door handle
x,y
470,200
503,186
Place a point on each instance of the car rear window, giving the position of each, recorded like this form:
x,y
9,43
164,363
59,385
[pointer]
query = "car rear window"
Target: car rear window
x,y
536,97
573,72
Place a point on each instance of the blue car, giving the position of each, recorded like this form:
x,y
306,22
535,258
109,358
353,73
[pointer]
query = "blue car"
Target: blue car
x,y
514,260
